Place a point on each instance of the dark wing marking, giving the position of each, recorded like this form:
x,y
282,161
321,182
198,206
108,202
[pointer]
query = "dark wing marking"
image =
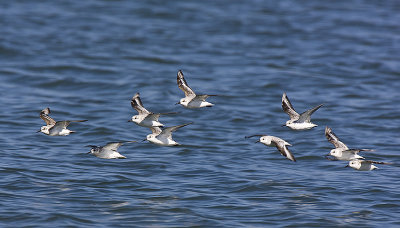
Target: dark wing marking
x,y
76,121
246,137
355,151
288,108
168,113
376,162
182,84
332,138
44,115
136,104
306,116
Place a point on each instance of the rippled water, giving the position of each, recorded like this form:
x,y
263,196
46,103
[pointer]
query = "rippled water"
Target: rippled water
x,y
85,60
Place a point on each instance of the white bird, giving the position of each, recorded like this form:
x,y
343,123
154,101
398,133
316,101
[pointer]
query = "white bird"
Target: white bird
x,y
341,151
109,151
298,121
364,165
279,143
191,100
163,136
145,118
55,128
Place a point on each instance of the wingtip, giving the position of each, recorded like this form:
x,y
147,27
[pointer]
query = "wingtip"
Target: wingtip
x,y
45,111
135,96
250,136
169,113
180,73
369,150
90,146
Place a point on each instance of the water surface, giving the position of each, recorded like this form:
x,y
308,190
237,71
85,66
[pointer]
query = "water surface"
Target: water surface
x,y
86,59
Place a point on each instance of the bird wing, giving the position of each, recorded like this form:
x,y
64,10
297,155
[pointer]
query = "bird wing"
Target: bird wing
x,y
332,138
280,145
153,116
306,116
44,115
59,126
356,151
156,130
288,107
136,104
63,124
112,146
167,132
202,97
182,84
376,162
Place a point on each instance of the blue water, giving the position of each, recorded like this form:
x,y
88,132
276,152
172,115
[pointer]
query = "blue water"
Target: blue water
x,y
86,59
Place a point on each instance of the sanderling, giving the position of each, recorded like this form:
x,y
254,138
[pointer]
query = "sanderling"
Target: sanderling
x,y
341,151
109,151
145,118
364,165
163,136
191,100
55,128
298,121
279,143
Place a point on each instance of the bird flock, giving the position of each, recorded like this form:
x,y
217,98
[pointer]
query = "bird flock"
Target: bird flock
x,y
162,135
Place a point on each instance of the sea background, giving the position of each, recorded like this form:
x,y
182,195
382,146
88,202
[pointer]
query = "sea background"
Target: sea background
x,y
86,59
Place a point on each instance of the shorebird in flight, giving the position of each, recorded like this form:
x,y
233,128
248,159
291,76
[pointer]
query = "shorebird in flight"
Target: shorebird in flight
x,y
364,165
55,128
341,151
191,100
163,136
298,121
109,151
145,118
279,143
